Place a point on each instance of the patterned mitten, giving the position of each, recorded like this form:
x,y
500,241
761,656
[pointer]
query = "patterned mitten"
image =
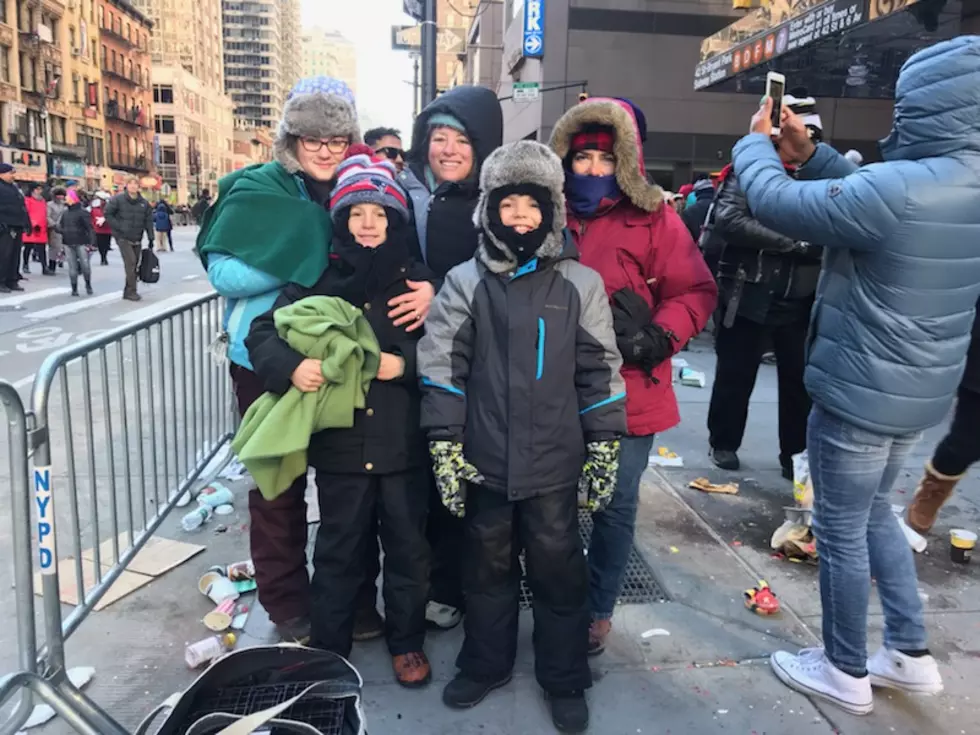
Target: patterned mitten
x,y
452,471
598,480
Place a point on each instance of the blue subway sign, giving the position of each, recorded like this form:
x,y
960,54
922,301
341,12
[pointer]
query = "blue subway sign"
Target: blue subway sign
x,y
533,45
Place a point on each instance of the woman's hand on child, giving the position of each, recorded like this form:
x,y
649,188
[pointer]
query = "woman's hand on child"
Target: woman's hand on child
x,y
392,367
308,377
413,307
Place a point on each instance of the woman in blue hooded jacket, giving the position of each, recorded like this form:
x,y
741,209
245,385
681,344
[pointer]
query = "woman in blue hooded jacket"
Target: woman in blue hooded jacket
x,y
887,347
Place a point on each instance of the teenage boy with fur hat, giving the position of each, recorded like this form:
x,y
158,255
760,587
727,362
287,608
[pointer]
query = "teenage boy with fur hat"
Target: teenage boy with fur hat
x,y
269,226
523,406
378,468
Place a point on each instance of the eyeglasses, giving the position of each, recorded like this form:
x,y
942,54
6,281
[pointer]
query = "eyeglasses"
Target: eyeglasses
x,y
334,145
391,153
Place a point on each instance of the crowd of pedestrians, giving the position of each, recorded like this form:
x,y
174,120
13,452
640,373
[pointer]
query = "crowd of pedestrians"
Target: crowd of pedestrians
x,y
53,225
513,310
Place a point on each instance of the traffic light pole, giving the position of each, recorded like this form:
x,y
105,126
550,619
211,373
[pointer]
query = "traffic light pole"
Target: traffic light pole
x,y
429,52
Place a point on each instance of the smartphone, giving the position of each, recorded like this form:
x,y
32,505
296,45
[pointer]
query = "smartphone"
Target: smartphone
x,y
775,86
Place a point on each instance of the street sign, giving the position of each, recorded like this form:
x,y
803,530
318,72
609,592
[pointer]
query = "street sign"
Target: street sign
x,y
409,38
413,8
527,91
533,44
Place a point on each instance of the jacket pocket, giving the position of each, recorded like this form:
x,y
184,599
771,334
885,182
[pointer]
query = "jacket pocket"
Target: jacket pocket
x,y
539,373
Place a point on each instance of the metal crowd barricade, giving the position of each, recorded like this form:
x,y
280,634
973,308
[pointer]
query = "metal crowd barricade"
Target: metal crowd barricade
x,y
155,411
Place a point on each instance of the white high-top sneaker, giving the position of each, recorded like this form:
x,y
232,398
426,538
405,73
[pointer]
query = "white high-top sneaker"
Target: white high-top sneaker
x,y
810,672
895,670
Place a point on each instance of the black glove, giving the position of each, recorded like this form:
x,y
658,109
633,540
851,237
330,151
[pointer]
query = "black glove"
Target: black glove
x,y
640,342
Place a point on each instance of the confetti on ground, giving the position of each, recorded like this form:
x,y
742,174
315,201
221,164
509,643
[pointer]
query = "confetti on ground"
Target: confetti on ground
x,y
674,550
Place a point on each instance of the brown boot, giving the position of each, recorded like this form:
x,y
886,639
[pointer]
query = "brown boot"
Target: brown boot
x,y
412,670
934,490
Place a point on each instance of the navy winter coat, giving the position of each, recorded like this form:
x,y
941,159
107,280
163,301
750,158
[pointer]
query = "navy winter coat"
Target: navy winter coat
x,y
897,297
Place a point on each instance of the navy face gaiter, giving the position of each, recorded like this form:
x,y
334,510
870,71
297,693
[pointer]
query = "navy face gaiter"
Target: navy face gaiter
x,y
585,193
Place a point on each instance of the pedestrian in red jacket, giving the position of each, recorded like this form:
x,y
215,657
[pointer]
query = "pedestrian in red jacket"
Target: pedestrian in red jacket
x,y
36,237
662,295
103,233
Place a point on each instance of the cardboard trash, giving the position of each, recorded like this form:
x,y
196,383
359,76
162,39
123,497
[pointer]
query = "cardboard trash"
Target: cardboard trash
x,y
665,458
794,540
706,486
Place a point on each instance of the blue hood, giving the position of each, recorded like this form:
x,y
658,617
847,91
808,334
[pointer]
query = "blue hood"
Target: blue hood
x,y
937,102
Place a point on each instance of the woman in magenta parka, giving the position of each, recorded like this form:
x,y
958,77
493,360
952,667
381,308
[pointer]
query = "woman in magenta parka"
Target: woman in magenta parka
x,y
662,295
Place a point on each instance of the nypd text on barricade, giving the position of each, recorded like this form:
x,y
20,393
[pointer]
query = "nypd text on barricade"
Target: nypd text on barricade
x,y
45,519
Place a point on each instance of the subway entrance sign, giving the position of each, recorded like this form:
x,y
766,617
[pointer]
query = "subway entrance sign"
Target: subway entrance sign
x,y
833,48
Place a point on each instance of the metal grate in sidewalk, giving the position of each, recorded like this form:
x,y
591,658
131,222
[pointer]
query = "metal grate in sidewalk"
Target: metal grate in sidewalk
x,y
640,586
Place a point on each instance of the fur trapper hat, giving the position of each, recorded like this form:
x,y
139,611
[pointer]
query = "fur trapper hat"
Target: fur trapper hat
x,y
521,163
319,107
630,169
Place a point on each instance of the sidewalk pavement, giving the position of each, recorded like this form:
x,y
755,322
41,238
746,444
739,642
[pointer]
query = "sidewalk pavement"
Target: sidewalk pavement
x,y
710,674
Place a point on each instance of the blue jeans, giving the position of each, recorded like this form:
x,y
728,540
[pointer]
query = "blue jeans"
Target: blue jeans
x,y
612,536
858,537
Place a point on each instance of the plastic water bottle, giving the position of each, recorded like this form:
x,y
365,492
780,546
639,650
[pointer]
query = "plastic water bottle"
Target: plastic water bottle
x,y
207,650
196,518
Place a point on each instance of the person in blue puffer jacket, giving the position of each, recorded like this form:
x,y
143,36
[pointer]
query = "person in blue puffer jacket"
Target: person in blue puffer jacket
x,y
887,347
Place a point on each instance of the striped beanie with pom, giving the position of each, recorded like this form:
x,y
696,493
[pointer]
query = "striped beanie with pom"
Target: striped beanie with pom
x,y
362,179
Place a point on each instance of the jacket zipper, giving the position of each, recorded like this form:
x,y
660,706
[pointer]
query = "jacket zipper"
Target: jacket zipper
x,y
540,348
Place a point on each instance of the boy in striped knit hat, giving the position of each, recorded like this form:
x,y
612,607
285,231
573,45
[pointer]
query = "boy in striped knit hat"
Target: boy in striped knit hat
x,y
378,468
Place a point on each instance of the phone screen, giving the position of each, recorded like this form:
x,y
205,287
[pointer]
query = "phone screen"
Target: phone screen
x,y
776,93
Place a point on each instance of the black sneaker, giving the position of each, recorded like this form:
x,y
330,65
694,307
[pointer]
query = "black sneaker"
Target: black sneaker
x,y
368,624
569,711
296,630
74,290
788,472
725,459
18,287
463,692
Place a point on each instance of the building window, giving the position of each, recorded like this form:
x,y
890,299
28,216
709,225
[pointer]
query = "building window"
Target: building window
x,y
163,124
163,94
5,63
129,32
101,18
168,155
74,88
57,129
129,69
113,57
95,50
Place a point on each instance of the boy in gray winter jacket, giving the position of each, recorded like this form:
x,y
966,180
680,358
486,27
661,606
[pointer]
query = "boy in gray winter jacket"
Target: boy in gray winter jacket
x,y
524,406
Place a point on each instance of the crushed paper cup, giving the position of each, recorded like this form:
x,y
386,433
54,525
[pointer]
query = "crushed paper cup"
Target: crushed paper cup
x,y
219,619
217,587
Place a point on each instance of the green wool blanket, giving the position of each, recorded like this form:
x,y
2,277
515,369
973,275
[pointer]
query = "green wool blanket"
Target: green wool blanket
x,y
274,436
263,218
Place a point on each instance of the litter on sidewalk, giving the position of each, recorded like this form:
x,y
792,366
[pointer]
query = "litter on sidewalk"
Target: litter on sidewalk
x,y
665,458
693,378
916,540
706,486
761,599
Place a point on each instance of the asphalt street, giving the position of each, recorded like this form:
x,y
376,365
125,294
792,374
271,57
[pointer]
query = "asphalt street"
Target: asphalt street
x,y
46,317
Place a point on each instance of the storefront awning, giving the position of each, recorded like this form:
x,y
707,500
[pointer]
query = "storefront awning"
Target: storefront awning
x,y
833,48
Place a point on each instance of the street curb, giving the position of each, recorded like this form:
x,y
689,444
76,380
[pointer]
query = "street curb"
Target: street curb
x,y
669,488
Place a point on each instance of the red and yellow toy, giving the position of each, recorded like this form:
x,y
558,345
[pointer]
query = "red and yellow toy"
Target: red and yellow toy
x,y
761,599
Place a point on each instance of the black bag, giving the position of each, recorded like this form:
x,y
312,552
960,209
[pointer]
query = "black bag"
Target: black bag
x,y
284,690
149,270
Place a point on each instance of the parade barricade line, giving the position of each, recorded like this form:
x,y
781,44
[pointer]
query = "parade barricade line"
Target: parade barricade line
x,y
120,427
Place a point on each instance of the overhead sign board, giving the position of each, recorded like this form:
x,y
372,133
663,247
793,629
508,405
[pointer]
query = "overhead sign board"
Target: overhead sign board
x,y
527,91
764,36
413,9
533,41
409,38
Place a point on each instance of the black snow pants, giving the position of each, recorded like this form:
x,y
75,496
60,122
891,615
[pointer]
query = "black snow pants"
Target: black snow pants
x,y
349,505
546,528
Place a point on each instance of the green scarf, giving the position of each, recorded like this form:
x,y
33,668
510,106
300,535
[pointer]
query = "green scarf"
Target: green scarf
x,y
274,435
264,217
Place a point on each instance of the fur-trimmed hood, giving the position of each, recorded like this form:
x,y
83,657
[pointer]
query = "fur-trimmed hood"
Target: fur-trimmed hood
x,y
630,170
479,111
317,115
524,162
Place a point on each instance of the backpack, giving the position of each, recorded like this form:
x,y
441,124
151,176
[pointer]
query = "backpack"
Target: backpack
x,y
149,270
282,689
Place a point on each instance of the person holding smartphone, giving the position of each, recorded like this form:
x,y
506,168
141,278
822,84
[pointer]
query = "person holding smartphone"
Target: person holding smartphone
x,y
887,348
